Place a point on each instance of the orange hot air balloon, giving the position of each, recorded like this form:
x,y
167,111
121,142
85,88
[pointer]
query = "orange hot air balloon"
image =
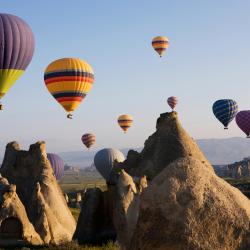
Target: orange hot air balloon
x,y
69,80
125,122
160,44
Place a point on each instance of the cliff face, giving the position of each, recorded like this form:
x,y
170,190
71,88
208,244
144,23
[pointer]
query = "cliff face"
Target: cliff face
x,y
37,188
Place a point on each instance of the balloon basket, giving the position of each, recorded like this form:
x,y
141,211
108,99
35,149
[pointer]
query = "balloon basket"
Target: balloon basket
x,y
225,128
69,116
1,106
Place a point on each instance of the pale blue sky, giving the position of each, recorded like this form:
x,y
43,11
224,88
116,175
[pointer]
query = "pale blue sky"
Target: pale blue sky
x,y
208,59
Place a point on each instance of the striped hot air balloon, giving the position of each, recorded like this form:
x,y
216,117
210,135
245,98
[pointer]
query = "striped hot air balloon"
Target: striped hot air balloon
x,y
125,122
172,102
69,80
243,121
57,165
160,44
16,50
225,110
88,140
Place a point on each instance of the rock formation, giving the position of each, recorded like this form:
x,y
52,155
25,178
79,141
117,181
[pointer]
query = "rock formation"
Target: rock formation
x,y
37,188
169,143
14,223
95,225
186,205
126,209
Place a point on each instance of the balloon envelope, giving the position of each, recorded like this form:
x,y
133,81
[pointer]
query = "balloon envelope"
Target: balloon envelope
x,y
69,80
243,121
125,122
88,140
57,165
16,50
160,44
225,110
172,101
104,160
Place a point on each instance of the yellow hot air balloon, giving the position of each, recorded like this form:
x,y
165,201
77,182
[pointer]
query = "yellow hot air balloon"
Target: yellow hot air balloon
x,y
160,44
69,80
125,122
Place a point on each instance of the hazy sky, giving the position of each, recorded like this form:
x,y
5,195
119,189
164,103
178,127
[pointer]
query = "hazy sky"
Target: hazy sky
x,y
208,59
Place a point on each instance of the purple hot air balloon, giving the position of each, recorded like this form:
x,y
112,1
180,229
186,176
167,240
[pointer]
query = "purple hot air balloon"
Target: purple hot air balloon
x,y
243,121
16,50
57,165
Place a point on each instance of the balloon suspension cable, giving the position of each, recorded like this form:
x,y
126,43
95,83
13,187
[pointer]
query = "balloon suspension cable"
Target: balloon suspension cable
x,y
70,116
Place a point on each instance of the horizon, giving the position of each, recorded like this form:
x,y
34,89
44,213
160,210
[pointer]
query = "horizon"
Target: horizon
x,y
207,60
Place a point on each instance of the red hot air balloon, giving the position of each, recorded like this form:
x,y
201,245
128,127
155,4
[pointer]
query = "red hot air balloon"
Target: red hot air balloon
x,y
88,140
243,121
172,102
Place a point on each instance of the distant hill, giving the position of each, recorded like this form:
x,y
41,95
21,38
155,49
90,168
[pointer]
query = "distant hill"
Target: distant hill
x,y
218,152
225,151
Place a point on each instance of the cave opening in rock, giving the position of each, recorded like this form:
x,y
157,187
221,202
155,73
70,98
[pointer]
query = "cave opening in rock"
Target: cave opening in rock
x,y
11,228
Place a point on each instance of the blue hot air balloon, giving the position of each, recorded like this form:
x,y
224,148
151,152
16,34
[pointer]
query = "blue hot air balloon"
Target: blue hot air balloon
x,y
104,160
57,165
225,110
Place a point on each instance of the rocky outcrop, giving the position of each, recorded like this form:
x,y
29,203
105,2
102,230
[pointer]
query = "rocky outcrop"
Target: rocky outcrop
x,y
126,209
95,225
37,188
236,170
15,226
169,143
186,205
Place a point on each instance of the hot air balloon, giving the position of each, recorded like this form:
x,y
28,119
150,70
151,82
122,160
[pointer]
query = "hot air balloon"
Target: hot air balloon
x,y
160,44
57,165
16,50
243,121
88,140
69,80
125,122
104,161
172,101
225,110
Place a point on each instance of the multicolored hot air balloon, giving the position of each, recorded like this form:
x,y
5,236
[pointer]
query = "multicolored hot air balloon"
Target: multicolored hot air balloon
x,y
243,121
57,165
160,44
69,80
125,122
104,161
172,102
225,110
16,50
88,140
